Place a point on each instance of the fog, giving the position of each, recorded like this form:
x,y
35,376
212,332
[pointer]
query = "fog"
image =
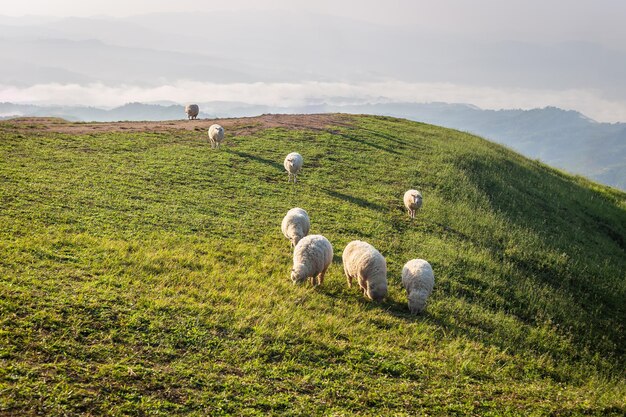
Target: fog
x,y
493,54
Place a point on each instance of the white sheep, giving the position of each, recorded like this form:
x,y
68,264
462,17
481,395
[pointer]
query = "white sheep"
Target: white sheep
x,y
295,225
311,258
412,201
363,262
216,135
192,111
293,165
418,279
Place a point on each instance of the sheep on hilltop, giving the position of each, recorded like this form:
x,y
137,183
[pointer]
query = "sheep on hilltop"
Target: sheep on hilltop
x,y
192,111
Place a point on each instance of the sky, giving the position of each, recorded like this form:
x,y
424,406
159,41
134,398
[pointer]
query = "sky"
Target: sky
x,y
541,22
557,20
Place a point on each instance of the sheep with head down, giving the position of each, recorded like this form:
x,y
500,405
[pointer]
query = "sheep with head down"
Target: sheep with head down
x,y
418,279
361,261
295,225
311,258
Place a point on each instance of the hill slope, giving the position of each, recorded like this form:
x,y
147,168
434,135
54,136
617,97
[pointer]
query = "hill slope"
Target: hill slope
x,y
143,273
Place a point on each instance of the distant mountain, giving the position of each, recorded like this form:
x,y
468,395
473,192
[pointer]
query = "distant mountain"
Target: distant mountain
x,y
564,139
130,112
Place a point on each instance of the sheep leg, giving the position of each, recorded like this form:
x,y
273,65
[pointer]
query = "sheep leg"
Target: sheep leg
x,y
348,277
363,285
320,278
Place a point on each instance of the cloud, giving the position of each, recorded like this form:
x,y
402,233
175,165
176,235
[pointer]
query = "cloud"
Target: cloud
x,y
589,102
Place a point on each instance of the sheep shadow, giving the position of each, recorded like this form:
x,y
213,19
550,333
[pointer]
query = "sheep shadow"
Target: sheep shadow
x,y
257,158
404,143
364,142
354,200
341,291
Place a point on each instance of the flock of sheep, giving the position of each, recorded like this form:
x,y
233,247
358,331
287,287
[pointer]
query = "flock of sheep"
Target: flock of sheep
x,y
313,254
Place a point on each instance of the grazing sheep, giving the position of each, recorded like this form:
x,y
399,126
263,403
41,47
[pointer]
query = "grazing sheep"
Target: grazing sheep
x,y
216,135
412,201
192,111
363,262
293,165
311,258
418,279
295,225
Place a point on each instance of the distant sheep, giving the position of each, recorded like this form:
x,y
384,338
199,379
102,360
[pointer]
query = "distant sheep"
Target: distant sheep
x,y
216,135
192,111
412,201
418,279
311,258
295,225
293,165
363,262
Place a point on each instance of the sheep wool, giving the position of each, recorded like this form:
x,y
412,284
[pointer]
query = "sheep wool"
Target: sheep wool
x,y
192,111
412,201
293,165
418,279
295,225
361,261
311,258
216,135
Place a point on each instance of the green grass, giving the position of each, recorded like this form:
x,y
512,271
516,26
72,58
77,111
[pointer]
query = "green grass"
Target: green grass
x,y
145,274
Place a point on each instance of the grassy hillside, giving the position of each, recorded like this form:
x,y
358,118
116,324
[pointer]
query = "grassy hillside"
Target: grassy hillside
x,y
142,273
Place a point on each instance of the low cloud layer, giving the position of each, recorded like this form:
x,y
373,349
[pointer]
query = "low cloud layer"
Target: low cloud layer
x,y
589,102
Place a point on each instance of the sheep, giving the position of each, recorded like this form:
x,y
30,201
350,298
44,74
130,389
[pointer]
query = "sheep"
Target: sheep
x,y
192,111
295,225
412,201
418,279
311,258
363,262
293,165
216,135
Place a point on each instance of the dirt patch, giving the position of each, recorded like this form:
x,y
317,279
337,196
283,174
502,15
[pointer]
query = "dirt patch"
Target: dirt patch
x,y
233,126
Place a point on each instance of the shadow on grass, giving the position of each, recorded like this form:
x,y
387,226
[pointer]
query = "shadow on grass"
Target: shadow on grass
x,y
371,144
403,143
568,219
354,200
257,158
